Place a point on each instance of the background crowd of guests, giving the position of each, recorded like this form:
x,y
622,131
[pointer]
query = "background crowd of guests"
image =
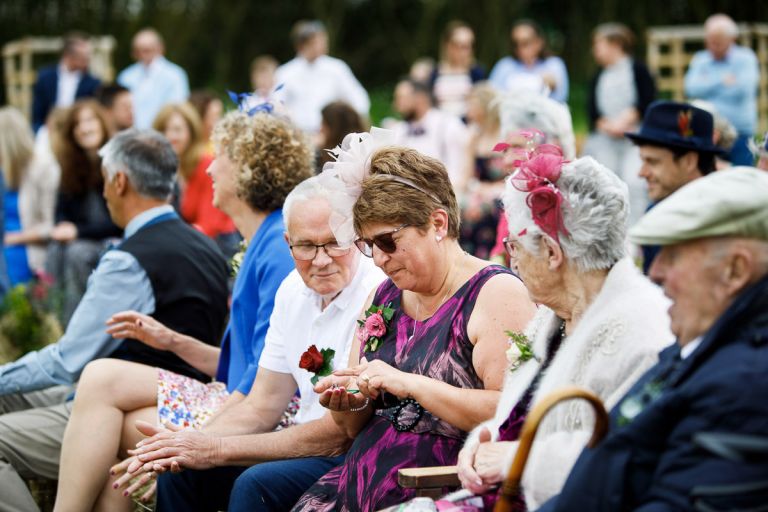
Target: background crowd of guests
x,y
401,297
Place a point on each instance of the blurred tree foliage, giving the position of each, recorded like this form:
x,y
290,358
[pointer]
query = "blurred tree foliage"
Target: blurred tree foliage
x,y
215,40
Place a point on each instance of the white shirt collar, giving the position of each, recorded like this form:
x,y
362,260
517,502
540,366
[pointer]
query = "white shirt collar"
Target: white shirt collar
x,y
64,71
689,347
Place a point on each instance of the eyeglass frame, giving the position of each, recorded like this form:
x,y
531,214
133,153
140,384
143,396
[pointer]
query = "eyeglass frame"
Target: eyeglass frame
x,y
317,248
511,250
368,243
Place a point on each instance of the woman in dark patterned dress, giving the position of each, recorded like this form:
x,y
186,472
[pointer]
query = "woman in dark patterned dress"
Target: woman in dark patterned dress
x,y
431,371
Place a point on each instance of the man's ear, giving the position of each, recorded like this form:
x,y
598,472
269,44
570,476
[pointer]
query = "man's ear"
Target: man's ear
x,y
121,183
738,271
690,162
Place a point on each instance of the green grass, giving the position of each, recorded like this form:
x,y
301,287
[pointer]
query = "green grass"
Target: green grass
x,y
381,103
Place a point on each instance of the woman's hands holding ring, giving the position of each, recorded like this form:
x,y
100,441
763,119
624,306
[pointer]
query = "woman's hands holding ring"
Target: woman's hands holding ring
x,y
374,377
340,393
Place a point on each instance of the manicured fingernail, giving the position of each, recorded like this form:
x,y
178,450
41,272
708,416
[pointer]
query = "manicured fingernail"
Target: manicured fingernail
x,y
114,485
125,493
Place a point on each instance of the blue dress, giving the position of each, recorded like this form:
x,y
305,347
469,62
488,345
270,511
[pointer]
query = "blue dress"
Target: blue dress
x,y
16,255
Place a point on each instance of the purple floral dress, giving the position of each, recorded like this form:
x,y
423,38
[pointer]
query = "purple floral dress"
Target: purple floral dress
x,y
440,348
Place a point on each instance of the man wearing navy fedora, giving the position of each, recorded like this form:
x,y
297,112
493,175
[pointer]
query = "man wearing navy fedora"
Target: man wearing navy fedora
x,y
692,433
675,143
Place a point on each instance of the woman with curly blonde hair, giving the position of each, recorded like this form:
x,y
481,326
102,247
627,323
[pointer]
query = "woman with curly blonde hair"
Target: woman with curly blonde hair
x,y
259,160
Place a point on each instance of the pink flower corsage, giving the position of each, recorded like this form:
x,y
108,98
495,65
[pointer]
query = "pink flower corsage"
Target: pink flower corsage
x,y
372,329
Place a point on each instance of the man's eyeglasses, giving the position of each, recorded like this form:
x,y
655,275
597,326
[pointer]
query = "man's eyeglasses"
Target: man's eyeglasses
x,y
383,241
307,252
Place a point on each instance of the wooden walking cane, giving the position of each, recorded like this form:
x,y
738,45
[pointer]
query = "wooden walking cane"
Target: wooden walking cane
x,y
511,486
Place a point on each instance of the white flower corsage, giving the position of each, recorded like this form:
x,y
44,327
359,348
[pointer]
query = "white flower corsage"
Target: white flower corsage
x,y
519,350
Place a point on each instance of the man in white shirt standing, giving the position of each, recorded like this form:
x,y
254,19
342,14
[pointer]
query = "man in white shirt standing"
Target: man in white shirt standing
x,y
313,79
429,130
153,80
317,304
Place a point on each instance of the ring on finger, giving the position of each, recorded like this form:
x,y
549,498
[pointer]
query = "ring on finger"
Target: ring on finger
x,y
365,377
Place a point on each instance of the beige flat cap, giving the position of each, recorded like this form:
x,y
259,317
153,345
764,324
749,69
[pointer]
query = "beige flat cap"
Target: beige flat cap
x,y
732,202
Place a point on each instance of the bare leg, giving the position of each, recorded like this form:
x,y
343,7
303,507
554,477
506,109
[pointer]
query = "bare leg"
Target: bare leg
x,y
111,500
107,390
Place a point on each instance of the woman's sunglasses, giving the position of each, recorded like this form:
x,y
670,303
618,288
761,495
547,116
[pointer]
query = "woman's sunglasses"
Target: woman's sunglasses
x,y
383,241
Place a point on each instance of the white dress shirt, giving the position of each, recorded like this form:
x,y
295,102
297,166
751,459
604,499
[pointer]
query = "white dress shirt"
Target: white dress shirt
x,y
298,321
439,135
66,87
310,86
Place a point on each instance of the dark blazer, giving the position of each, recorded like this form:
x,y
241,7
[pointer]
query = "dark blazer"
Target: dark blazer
x,y
644,84
649,461
46,89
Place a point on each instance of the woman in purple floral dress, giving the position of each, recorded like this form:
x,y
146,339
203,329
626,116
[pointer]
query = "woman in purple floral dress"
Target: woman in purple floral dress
x,y
429,356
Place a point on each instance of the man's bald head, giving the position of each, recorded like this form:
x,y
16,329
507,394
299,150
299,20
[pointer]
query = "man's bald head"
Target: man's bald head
x,y
147,44
720,32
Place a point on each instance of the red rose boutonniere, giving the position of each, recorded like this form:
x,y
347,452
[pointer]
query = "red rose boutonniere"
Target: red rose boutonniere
x,y
318,362
374,327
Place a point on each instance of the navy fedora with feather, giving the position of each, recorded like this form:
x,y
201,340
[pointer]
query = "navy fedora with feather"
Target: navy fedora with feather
x,y
676,125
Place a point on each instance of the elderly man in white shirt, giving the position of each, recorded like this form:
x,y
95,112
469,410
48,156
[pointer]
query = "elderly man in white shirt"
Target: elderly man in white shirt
x,y
313,79
317,304
429,130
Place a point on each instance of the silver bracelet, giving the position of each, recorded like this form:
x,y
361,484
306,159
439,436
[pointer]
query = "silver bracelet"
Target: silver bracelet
x,y
358,409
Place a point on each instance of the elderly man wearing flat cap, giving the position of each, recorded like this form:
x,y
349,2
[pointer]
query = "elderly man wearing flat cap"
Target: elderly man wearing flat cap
x,y
675,143
687,435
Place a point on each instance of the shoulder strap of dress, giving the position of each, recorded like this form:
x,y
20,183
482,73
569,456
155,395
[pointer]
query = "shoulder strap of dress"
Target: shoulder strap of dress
x,y
479,279
386,292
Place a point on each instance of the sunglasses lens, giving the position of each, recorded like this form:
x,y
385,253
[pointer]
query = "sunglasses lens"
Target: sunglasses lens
x,y
386,243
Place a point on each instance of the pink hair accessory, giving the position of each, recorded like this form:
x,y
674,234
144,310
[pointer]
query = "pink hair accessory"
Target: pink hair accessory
x,y
537,173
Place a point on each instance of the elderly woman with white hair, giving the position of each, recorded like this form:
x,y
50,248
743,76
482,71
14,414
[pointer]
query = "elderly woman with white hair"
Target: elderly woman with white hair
x,y
600,324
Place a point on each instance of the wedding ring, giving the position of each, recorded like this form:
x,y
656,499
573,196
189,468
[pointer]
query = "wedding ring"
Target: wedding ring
x,y
365,377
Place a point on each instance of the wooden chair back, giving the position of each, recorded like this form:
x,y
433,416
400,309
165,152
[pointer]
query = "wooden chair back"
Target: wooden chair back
x,y
511,486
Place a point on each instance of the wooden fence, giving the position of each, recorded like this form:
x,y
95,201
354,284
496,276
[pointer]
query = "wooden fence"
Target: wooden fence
x,y
19,67
670,50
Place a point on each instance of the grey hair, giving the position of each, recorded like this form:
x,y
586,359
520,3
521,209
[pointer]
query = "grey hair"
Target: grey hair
x,y
146,158
311,188
722,23
595,209
525,110
723,126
